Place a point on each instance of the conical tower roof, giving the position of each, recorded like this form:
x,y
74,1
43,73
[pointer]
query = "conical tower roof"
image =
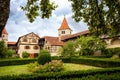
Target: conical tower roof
x,y
4,31
64,25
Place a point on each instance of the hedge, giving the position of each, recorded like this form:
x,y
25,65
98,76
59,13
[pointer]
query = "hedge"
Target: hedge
x,y
78,60
93,61
9,62
63,75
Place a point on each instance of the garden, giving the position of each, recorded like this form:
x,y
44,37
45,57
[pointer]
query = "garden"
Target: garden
x,y
76,62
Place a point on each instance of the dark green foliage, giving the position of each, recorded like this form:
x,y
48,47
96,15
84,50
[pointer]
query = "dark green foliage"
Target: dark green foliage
x,y
93,61
111,51
44,57
35,8
102,74
25,54
3,49
102,16
8,62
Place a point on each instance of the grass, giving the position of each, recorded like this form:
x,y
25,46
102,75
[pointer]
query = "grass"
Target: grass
x,y
23,69
76,67
14,70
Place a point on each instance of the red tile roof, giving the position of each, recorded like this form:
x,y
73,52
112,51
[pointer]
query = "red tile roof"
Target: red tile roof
x,y
75,35
64,25
12,43
4,31
54,41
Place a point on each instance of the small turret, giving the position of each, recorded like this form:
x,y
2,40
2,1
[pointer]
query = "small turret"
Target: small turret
x,y
64,28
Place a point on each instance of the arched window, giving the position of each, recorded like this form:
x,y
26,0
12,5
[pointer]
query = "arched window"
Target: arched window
x,y
27,47
36,47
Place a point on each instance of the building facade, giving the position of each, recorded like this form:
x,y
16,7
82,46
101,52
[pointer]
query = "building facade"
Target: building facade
x,y
28,43
52,44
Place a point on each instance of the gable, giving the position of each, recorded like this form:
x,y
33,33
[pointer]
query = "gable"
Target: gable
x,y
30,38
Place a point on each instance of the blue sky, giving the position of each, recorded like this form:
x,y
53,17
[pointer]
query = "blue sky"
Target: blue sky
x,y
19,25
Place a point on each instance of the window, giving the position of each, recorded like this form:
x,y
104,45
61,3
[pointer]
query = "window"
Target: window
x,y
24,40
63,32
34,40
36,47
27,47
3,36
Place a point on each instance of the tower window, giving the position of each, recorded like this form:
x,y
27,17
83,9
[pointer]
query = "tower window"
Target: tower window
x,y
63,32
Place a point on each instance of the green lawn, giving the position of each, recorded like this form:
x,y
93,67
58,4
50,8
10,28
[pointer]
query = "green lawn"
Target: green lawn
x,y
14,70
75,67
22,69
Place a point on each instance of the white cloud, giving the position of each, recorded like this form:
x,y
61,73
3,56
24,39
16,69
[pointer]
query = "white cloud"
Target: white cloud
x,y
19,25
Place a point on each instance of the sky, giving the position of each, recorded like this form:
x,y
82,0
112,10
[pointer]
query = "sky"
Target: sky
x,y
18,24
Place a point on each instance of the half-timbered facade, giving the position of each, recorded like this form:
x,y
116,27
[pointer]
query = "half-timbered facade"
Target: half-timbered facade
x,y
28,43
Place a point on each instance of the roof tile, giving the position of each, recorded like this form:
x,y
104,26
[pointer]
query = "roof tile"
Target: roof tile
x,y
64,25
4,31
54,41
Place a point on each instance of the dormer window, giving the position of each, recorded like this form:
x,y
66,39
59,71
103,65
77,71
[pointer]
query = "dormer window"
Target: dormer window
x,y
63,32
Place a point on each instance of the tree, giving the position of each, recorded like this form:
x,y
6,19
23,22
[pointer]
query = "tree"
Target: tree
x,y
32,9
36,8
3,49
69,49
102,16
4,13
90,44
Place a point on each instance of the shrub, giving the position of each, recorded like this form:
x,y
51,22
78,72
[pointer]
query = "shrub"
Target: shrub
x,y
90,44
10,53
25,54
112,51
3,49
53,66
69,49
44,57
33,67
86,51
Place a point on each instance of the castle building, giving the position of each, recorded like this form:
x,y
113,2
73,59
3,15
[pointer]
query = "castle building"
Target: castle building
x,y
32,43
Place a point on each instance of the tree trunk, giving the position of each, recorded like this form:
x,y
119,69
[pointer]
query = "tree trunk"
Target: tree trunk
x,y
4,13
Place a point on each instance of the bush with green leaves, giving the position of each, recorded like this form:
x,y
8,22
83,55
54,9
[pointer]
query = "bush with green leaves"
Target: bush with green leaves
x,y
69,49
3,49
25,54
44,57
53,66
10,53
112,51
90,44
